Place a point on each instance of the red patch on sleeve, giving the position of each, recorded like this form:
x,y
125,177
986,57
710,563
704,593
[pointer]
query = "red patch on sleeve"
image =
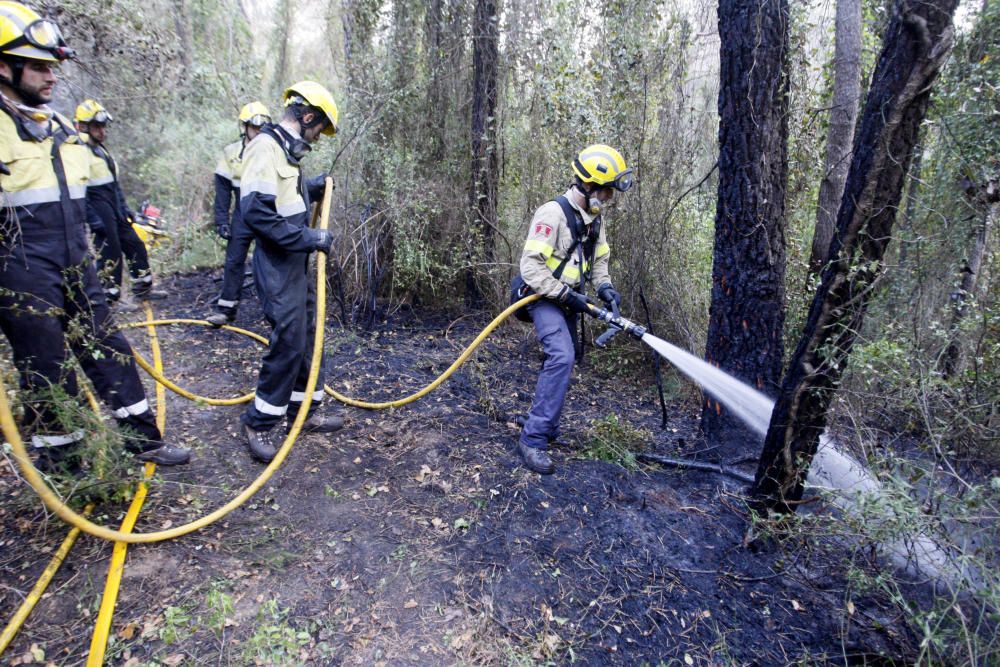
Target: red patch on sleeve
x,y
542,228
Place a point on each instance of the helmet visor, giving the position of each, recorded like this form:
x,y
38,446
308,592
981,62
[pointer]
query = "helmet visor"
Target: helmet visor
x,y
623,181
44,34
258,120
101,117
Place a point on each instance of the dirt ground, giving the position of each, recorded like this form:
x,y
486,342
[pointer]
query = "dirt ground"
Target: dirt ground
x,y
414,537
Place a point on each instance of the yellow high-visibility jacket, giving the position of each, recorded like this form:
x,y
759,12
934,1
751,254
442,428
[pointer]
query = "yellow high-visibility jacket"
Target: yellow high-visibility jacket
x,y
549,240
43,199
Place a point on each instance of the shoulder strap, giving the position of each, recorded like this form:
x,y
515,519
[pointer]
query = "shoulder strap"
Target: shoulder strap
x,y
575,223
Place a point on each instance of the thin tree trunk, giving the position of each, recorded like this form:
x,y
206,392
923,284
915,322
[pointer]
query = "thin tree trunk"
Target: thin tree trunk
x,y
747,312
951,360
917,41
843,114
483,189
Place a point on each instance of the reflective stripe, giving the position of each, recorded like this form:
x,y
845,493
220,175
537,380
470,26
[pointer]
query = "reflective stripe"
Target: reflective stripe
x,y
100,180
570,273
77,191
40,441
534,245
235,182
225,174
267,408
260,187
299,396
146,279
602,250
32,196
135,409
226,303
294,208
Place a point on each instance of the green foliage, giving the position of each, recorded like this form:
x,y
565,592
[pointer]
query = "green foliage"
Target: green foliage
x,y
274,641
609,439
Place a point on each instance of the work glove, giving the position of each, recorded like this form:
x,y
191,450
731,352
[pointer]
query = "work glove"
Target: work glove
x,y
225,231
322,240
609,295
574,300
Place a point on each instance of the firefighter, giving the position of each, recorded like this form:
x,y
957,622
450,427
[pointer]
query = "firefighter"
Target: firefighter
x,y
253,117
566,248
274,203
50,295
107,213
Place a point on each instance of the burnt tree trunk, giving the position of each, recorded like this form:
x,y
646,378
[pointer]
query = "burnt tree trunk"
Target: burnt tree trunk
x,y
916,43
747,312
951,360
483,188
843,115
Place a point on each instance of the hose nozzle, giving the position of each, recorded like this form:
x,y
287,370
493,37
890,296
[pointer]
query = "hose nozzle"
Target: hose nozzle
x,y
616,323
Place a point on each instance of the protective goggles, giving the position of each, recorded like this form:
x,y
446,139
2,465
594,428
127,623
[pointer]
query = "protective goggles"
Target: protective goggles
x,y
43,34
623,181
257,120
101,117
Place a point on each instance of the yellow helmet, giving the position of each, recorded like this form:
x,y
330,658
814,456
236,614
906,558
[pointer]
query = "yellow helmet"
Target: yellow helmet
x,y
255,114
603,166
315,95
25,34
91,111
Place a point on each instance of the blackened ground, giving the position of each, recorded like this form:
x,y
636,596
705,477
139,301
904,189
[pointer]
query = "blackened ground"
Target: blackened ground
x,y
414,536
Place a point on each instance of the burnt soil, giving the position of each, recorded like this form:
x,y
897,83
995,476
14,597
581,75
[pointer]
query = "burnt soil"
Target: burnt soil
x,y
414,537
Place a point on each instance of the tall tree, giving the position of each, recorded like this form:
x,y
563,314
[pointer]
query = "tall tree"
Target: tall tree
x,y
843,114
747,312
485,176
917,40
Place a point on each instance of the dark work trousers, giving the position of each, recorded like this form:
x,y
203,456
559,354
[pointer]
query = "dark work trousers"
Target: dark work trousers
x,y
554,328
115,241
237,248
40,294
288,299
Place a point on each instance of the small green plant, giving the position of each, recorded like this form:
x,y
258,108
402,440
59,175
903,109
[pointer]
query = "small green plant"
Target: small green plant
x,y
275,641
176,625
608,439
220,608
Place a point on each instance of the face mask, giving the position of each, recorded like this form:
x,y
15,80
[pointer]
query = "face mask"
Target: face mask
x,y
594,206
298,148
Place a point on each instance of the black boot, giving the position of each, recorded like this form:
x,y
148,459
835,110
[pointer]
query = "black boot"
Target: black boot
x,y
165,455
536,459
317,423
61,459
263,444
221,317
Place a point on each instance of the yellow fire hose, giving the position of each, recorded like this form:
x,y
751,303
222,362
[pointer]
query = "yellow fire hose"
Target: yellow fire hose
x,y
30,600
102,628
157,375
10,432
14,626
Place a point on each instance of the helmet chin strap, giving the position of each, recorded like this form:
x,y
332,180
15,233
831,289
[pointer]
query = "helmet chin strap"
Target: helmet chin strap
x,y
17,69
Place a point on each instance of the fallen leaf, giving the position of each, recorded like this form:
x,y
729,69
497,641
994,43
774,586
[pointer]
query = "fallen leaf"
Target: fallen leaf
x,y
410,604
796,606
688,659
38,653
128,631
850,607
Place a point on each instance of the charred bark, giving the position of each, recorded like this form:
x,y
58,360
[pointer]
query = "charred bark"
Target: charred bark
x,y
917,40
951,360
483,188
747,312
